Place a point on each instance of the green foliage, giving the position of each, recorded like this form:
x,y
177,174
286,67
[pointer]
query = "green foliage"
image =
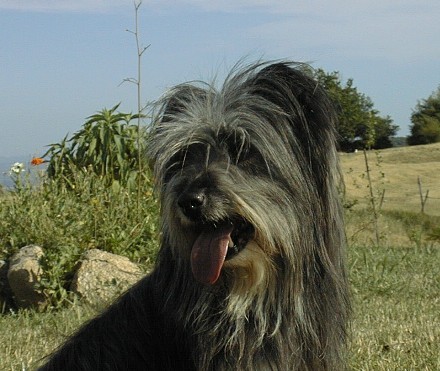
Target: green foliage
x,y
360,125
384,132
106,144
425,121
69,214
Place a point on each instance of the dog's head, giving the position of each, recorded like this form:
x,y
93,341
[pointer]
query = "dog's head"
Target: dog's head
x,y
245,173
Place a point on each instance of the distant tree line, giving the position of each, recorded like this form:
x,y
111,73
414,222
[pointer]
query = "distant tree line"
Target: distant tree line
x,y
425,121
360,125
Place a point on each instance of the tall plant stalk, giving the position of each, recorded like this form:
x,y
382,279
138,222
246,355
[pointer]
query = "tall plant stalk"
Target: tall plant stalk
x,y
372,200
137,81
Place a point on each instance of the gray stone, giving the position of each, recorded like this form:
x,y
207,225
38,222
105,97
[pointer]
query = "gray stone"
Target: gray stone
x,y
23,276
101,276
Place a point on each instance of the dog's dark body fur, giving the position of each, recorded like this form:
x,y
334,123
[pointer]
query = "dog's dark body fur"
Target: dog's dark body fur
x,y
252,166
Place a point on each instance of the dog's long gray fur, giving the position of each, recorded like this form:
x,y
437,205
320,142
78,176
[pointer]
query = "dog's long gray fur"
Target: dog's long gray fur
x,y
257,155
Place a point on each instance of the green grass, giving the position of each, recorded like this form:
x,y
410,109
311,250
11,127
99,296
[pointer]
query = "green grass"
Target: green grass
x,y
26,337
396,324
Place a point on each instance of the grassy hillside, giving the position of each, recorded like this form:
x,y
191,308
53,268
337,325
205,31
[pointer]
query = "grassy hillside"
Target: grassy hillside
x,y
395,171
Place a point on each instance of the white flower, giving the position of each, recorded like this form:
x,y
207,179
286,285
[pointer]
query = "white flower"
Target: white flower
x,y
17,168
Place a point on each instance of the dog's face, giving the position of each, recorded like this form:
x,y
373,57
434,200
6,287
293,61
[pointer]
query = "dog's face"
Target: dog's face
x,y
238,174
216,197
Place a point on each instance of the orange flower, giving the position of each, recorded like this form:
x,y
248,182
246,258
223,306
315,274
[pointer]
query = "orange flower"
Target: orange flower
x,y
37,161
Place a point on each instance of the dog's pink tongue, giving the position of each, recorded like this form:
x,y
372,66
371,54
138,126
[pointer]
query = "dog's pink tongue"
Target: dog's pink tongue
x,y
209,252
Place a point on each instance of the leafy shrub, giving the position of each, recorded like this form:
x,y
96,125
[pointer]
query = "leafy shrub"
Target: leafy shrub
x,y
66,222
425,121
107,144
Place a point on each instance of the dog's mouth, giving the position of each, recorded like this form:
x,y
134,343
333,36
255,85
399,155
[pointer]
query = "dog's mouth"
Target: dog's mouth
x,y
217,243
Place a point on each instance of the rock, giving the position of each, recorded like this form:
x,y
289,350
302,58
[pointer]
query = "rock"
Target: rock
x,y
101,276
23,275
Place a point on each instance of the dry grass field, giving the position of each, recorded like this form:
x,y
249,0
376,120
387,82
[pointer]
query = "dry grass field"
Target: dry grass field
x,y
395,171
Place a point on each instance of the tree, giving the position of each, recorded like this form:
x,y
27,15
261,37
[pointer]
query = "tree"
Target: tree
x,y
385,131
425,121
359,124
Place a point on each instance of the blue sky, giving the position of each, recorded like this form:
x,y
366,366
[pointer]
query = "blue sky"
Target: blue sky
x,y
61,61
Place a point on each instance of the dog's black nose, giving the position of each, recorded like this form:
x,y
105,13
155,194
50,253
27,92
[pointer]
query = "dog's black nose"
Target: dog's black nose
x,y
192,204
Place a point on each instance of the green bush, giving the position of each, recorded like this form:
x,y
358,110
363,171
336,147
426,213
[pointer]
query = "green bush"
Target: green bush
x,y
66,222
107,144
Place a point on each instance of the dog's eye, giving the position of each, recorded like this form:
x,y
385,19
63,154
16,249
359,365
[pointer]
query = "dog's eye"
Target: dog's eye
x,y
193,154
235,148
237,153
171,169
251,159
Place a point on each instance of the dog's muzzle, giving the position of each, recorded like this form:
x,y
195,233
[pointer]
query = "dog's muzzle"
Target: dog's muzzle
x,y
217,240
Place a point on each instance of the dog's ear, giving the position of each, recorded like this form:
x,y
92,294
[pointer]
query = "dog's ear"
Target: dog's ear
x,y
291,87
178,99
308,111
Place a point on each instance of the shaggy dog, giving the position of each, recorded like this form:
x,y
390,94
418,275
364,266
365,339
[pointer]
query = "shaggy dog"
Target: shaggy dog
x,y
250,273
